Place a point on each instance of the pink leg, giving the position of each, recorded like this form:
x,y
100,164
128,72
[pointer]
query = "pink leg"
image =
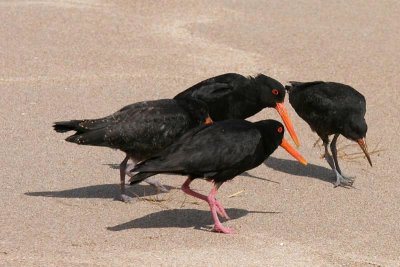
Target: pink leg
x,y
218,227
220,209
185,188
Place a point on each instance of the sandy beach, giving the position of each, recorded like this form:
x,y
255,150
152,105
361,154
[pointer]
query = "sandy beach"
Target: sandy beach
x,y
76,59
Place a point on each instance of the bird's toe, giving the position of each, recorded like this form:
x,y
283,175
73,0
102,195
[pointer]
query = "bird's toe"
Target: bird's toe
x,y
342,180
222,229
162,188
157,184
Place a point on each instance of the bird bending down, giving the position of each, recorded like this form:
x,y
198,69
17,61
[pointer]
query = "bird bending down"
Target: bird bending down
x,y
332,109
217,153
140,130
233,96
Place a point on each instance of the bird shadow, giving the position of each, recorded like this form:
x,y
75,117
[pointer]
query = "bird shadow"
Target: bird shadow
x,y
246,174
112,165
180,218
294,168
99,191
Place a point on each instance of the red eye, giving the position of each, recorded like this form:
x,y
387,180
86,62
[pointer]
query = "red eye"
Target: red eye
x,y
280,130
275,91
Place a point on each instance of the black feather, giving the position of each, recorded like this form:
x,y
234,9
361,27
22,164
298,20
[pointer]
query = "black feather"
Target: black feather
x,y
65,126
234,96
217,152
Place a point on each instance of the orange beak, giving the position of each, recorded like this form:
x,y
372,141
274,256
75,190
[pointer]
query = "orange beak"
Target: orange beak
x,y
363,145
208,121
293,152
285,117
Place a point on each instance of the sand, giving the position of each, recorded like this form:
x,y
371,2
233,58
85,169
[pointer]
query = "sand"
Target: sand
x,y
87,58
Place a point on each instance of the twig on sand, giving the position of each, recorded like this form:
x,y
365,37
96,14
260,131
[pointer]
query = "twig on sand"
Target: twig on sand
x,y
190,202
156,199
316,143
236,194
352,156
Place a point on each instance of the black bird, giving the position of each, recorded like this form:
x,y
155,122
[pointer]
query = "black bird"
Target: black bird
x,y
218,153
331,108
233,96
140,130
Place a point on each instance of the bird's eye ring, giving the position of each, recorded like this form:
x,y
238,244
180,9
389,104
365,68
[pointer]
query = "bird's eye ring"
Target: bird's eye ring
x,y
280,130
275,91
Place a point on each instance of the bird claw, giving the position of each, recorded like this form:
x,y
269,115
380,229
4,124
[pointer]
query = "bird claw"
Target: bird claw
x,y
155,183
221,229
344,181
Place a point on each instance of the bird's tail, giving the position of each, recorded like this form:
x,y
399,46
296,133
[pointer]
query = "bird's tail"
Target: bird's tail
x,y
150,167
65,126
84,135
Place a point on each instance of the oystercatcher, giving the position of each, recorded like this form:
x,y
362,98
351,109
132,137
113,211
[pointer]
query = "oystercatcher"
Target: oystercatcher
x,y
332,109
217,152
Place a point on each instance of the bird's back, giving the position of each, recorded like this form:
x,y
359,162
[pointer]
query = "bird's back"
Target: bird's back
x,y
325,105
141,129
211,87
228,96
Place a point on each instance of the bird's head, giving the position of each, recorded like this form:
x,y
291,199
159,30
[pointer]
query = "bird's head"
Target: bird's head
x,y
271,91
355,129
272,94
272,132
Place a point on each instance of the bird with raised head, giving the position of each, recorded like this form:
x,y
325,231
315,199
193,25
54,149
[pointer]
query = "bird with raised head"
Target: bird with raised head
x,y
217,153
332,108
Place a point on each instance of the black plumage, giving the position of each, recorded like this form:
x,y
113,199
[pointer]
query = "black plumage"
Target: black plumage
x,y
218,153
233,96
140,129
332,109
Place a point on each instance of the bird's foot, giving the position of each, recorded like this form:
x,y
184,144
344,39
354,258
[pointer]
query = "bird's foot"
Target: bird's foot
x,y
342,180
221,211
219,228
125,198
155,183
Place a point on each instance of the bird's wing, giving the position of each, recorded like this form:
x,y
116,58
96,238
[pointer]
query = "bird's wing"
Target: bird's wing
x,y
212,91
212,88
148,127
318,103
147,124
209,149
124,114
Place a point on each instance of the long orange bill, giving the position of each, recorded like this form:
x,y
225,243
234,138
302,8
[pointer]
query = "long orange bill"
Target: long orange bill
x,y
285,117
208,121
293,152
363,145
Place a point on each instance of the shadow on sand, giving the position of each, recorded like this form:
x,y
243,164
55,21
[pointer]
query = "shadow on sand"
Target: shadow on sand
x,y
181,218
246,174
295,168
99,191
111,190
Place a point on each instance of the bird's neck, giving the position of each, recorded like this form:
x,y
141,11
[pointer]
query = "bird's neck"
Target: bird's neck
x,y
250,92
